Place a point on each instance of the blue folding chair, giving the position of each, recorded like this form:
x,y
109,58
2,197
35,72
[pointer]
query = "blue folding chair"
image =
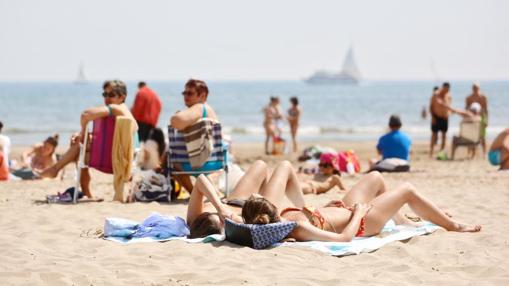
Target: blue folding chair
x,y
178,155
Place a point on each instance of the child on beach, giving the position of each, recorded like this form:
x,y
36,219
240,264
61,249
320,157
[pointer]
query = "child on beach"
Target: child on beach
x,y
272,114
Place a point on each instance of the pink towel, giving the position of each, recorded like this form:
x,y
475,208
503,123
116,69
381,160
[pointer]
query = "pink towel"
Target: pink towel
x,y
102,143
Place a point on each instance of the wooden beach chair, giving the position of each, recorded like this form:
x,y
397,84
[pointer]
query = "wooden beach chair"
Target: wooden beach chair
x,y
97,149
469,136
178,162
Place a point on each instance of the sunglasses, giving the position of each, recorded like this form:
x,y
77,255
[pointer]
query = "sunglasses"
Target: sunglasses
x,y
324,165
187,93
109,94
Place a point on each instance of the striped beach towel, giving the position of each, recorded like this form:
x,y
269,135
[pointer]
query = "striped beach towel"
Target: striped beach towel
x,y
197,144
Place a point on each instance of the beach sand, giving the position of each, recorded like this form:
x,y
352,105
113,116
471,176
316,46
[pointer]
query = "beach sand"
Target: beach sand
x,y
59,245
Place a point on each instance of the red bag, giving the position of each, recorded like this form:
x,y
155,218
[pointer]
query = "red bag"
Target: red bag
x,y
348,156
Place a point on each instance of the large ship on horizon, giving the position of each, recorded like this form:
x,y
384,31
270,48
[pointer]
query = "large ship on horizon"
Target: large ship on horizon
x,y
349,74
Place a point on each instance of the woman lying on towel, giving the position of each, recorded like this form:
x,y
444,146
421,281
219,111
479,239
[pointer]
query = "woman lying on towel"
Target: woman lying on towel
x,y
115,93
363,212
39,157
208,218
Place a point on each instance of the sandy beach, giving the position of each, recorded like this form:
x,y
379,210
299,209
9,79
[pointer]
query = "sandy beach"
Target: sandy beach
x,y
59,244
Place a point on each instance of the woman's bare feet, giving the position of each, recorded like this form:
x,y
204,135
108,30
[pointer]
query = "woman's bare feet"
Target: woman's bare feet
x,y
467,228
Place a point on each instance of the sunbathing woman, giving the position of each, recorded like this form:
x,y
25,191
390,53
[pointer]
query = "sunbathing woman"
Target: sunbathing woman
x,y
115,93
327,178
338,222
208,218
39,157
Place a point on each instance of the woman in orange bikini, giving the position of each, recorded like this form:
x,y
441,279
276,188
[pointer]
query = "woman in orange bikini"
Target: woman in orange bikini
x,y
343,220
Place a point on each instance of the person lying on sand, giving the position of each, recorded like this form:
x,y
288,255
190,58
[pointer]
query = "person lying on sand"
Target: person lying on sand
x,y
327,178
343,222
208,218
39,157
115,93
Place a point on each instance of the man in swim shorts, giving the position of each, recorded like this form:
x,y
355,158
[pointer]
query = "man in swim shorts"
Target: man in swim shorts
x,y
439,116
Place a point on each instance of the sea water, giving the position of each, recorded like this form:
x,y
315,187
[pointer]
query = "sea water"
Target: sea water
x,y
32,111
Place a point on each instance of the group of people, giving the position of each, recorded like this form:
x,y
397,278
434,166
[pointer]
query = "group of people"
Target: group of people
x,y
273,116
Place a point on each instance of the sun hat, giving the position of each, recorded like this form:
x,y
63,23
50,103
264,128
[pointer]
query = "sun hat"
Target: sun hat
x,y
330,158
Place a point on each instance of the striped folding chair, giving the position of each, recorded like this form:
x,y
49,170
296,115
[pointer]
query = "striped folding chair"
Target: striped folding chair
x,y
178,157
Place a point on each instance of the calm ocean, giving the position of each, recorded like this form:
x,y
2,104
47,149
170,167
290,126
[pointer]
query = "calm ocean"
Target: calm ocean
x,y
32,111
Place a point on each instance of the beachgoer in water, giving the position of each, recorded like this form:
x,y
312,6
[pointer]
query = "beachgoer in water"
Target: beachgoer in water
x,y
195,98
439,116
293,118
115,93
480,98
272,114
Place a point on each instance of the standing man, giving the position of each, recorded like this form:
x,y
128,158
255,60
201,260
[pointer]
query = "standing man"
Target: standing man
x,y
480,98
146,110
439,116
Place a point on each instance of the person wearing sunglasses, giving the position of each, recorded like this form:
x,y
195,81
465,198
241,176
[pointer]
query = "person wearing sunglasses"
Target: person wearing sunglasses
x,y
327,177
114,95
195,99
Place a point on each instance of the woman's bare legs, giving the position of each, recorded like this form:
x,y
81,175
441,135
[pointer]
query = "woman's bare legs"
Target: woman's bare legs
x,y
388,204
283,181
314,187
252,182
368,188
293,131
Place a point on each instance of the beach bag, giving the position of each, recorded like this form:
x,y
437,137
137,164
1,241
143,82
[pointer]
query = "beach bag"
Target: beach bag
x,y
279,146
257,236
346,159
154,188
392,165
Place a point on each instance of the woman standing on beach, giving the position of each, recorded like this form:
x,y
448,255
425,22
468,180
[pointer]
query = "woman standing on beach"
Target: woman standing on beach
x,y
293,118
272,114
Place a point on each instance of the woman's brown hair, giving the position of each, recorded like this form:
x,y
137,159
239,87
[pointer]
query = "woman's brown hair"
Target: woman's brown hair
x,y
52,140
259,211
205,225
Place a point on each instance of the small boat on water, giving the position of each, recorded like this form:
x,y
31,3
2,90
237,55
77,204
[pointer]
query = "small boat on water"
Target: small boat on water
x,y
81,78
349,74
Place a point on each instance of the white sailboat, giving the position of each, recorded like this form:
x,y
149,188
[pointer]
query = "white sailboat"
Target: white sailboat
x,y
349,74
81,78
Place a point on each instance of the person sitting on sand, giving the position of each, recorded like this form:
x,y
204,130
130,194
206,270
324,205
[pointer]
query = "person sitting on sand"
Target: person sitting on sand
x,y
4,169
37,158
195,99
272,113
342,222
498,154
327,178
115,93
394,144
6,142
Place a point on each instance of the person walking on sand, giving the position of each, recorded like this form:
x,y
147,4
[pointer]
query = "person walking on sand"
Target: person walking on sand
x,y
293,118
146,110
272,113
439,116
480,98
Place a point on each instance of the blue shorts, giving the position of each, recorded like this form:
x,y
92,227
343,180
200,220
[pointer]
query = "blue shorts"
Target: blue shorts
x,y
494,157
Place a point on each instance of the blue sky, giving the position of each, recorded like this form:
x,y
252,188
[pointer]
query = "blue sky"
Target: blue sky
x,y
252,40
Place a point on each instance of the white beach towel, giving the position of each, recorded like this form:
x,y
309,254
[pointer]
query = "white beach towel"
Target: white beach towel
x,y
390,233
124,240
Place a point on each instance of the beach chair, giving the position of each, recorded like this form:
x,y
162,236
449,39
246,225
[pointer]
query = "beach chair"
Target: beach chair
x,y
178,157
469,136
97,149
